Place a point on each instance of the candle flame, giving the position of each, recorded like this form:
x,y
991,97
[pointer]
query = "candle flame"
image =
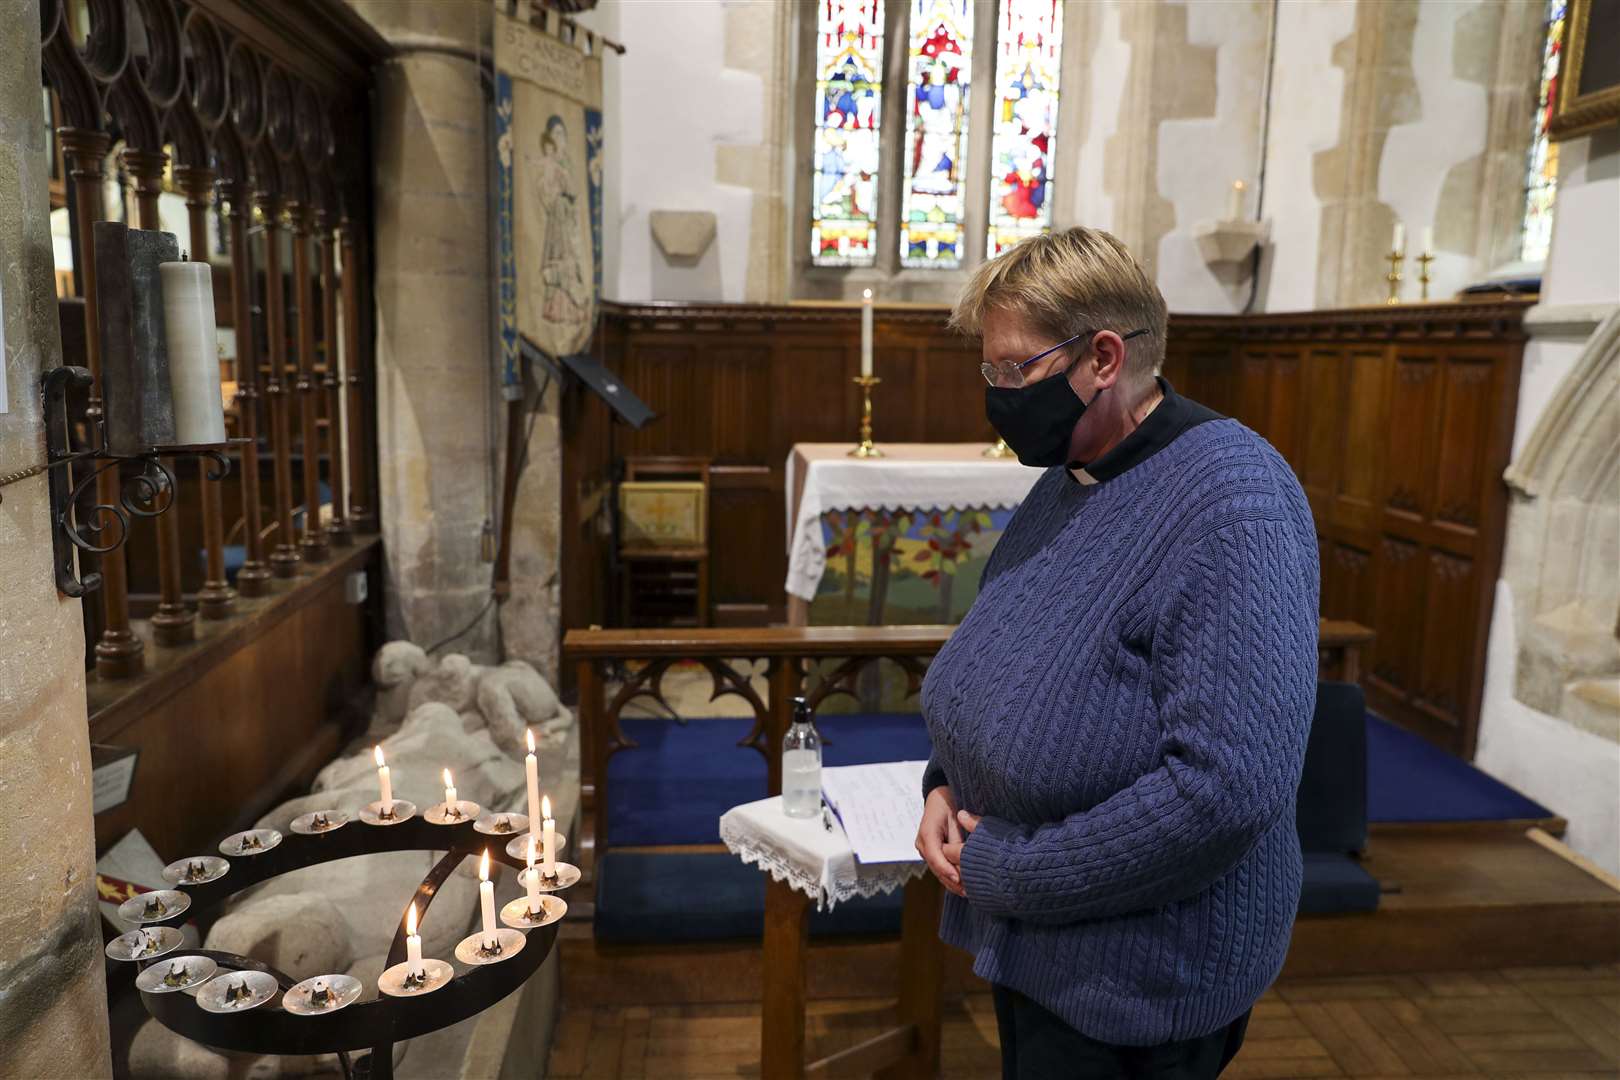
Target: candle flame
x,y
1237,185
866,294
377,752
545,806
529,734
447,781
483,866
410,920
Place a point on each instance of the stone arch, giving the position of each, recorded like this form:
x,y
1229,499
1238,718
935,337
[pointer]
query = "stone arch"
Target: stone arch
x,y
1563,555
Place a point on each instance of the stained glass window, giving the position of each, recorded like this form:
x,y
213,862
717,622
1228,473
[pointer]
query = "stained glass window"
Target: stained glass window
x,y
1029,45
1541,178
849,93
939,68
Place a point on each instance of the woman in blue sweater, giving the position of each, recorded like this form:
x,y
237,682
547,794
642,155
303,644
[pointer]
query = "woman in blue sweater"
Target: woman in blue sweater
x,y
1119,723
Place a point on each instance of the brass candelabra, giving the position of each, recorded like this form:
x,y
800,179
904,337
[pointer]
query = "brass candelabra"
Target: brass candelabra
x,y
1423,262
998,449
1396,259
866,449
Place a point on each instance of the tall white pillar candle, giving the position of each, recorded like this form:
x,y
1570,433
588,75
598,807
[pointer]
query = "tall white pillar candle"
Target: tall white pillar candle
x,y
449,791
533,880
413,944
188,325
549,835
531,767
1428,239
866,332
1234,202
1398,241
486,900
387,786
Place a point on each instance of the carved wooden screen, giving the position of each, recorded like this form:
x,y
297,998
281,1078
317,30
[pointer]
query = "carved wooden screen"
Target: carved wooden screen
x,y
256,109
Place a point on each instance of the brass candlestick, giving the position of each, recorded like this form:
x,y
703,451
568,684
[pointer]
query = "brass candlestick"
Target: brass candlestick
x,y
1396,258
1423,262
998,449
866,449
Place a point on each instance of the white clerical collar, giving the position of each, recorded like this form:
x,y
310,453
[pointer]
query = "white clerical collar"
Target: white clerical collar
x,y
1080,474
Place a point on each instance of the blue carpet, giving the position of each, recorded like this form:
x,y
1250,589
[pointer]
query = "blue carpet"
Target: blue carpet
x,y
673,787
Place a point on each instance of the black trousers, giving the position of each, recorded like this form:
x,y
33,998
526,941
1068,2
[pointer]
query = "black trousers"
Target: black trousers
x,y
1038,1045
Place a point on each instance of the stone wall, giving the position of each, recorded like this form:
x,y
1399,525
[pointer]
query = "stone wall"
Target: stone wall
x,y
1550,721
53,999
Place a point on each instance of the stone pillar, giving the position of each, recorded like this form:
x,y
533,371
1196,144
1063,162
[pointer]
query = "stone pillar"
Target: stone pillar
x,y
53,1010
435,375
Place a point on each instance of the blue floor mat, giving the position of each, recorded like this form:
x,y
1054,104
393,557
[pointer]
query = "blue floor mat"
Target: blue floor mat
x,y
673,787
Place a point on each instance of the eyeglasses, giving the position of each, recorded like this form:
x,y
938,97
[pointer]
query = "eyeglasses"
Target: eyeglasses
x,y
1011,376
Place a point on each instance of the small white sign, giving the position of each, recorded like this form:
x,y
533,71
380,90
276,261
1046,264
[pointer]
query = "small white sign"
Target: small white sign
x,y
109,786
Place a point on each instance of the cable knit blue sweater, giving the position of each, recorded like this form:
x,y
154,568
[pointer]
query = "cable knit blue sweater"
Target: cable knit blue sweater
x,y
1127,704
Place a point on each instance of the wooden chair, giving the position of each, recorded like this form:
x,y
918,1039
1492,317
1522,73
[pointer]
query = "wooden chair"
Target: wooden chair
x,y
663,538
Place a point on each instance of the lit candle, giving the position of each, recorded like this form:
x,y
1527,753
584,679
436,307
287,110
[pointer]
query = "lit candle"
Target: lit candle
x,y
449,791
1428,239
413,945
1398,241
1234,202
386,784
486,899
534,881
550,836
531,766
866,332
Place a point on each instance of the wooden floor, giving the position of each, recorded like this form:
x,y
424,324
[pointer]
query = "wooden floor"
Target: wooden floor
x,y
1541,1023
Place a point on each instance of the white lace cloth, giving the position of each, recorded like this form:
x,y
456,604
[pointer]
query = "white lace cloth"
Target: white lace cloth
x,y
912,476
805,854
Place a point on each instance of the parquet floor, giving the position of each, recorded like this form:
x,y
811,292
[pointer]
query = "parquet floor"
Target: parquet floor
x,y
1530,1023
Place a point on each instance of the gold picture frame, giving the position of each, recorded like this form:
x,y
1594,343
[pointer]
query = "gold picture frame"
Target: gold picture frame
x,y
1588,95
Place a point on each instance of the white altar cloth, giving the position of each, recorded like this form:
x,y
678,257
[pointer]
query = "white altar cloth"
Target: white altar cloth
x,y
911,476
805,854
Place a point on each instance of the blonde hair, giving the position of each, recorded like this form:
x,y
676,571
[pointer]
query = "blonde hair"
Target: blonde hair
x,y
1069,282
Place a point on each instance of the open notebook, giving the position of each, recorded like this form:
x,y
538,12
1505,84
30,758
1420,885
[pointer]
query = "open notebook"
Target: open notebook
x,y
880,807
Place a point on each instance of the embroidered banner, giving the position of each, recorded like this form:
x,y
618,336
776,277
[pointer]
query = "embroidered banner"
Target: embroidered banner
x,y
548,116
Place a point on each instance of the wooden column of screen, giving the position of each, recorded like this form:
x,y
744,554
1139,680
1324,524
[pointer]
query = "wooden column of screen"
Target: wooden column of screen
x,y
338,533
118,651
284,558
216,598
253,579
173,623
359,514
313,541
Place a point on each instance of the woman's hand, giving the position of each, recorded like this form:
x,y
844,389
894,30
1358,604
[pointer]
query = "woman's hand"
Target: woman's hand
x,y
939,838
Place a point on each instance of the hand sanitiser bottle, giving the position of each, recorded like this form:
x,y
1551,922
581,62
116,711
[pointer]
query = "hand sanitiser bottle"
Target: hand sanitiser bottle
x,y
801,764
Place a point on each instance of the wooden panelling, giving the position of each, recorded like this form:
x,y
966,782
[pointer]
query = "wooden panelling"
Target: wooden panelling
x,y
250,710
1398,421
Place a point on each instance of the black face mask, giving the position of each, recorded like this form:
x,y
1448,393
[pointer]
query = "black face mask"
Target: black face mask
x,y
1037,420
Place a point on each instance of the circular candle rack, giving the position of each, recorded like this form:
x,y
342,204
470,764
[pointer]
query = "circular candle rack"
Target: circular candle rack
x,y
375,1024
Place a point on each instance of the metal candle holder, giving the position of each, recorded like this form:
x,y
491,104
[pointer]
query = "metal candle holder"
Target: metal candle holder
x,y
999,450
1423,262
253,1022
1396,258
866,449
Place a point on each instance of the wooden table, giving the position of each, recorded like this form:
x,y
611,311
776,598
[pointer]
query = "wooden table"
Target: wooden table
x,y
910,1050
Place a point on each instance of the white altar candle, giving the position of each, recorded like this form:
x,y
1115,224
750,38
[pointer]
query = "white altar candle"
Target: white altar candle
x,y
413,944
533,880
383,781
866,332
188,326
531,767
486,899
1398,241
550,837
1428,239
449,790
1234,202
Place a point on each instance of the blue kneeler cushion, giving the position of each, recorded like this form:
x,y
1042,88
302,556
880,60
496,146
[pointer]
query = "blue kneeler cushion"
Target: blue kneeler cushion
x,y
673,786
